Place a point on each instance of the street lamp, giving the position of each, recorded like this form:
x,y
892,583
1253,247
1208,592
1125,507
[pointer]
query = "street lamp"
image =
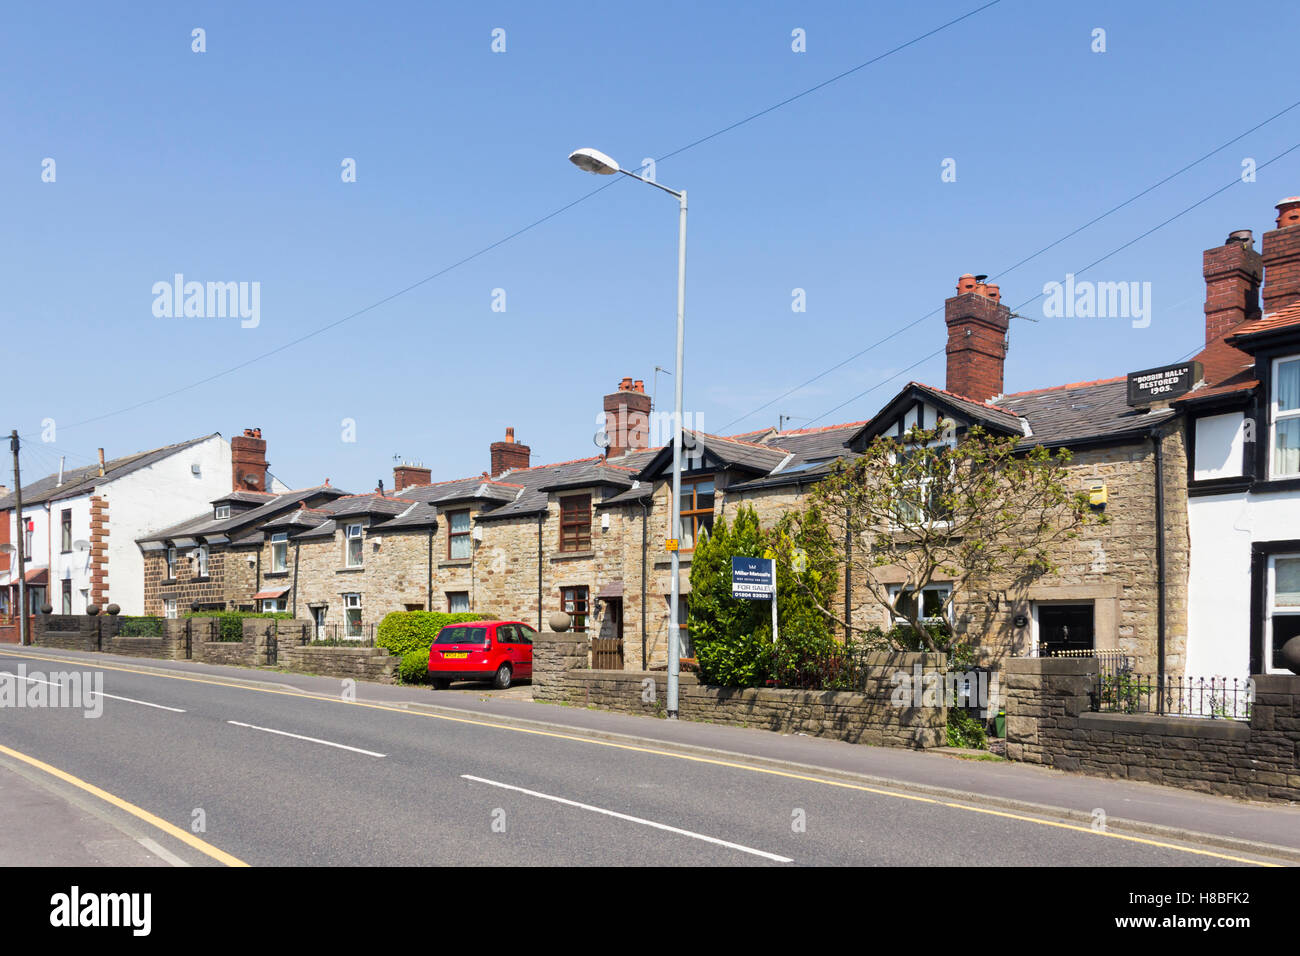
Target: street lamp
x,y
594,161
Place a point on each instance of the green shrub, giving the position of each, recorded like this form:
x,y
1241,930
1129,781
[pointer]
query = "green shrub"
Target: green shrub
x,y
230,626
743,660
405,631
732,637
139,626
964,730
414,667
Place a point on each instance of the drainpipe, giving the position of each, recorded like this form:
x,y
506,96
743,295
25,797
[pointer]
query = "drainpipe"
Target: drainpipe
x,y
848,577
428,598
541,518
297,545
645,661
1158,454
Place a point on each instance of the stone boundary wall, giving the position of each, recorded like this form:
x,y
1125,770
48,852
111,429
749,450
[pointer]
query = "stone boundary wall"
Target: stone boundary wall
x,y
82,632
359,663
561,675
1050,722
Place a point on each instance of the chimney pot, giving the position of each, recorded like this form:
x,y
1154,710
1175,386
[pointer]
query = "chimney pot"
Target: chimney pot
x,y
1288,212
510,435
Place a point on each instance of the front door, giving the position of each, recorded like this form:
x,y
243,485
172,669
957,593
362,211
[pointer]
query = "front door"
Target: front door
x,y
1064,630
318,616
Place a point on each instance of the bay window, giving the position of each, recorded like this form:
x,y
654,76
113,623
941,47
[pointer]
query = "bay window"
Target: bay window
x,y
1283,609
352,614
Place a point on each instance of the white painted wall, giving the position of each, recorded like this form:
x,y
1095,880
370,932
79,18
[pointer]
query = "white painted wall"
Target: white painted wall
x,y
156,497
1222,528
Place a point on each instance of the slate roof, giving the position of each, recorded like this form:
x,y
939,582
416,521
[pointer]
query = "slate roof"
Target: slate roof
x,y
77,481
1083,411
237,523
418,515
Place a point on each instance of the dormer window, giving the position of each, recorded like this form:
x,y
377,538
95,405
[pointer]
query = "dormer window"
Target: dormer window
x,y
352,554
280,552
1285,418
221,511
697,510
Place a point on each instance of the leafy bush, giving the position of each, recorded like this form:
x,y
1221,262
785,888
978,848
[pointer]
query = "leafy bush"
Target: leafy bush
x,y
139,626
964,730
744,660
405,631
230,627
414,667
733,637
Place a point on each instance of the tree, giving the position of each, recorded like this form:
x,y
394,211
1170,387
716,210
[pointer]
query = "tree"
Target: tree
x,y
732,636
935,507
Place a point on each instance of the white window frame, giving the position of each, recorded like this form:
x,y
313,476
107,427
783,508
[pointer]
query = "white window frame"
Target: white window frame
x,y
350,533
944,587
352,602
279,552
457,537
270,605
169,608
171,564
201,557
1271,610
1275,415
917,446
221,511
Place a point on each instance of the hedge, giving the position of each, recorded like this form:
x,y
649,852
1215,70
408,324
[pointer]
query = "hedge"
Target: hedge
x,y
231,626
405,631
414,667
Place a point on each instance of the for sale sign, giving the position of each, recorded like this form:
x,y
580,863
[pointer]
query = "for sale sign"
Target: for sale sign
x,y
752,579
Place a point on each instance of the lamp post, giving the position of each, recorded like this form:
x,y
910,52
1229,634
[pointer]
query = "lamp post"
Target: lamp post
x,y
594,161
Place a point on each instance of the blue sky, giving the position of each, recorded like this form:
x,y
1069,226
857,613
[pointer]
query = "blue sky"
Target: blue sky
x,y
225,166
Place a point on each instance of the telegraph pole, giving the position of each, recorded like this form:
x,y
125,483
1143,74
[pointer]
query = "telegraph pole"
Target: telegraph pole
x,y
18,524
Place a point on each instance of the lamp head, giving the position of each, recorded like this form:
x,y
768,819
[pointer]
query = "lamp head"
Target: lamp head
x,y
594,161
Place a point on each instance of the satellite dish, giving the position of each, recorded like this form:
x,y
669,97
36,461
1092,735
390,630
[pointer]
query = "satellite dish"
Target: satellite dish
x,y
8,549
81,545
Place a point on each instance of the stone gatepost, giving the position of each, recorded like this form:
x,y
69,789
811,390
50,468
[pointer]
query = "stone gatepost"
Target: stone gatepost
x,y
555,656
1044,697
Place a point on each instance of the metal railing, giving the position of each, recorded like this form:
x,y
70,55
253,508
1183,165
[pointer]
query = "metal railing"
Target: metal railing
x,y
1221,698
344,635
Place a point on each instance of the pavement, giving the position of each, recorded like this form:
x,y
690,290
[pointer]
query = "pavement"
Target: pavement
x,y
287,769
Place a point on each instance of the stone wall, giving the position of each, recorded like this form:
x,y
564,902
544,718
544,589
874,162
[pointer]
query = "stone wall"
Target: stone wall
x,y
561,675
359,663
1050,722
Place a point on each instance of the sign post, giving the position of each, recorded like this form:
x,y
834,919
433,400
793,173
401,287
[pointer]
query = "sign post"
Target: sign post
x,y
754,579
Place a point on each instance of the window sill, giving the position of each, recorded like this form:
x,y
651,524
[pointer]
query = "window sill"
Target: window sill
x,y
456,563
276,574
350,570
573,555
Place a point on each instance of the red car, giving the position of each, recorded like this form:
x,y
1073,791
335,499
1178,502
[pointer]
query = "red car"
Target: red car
x,y
498,651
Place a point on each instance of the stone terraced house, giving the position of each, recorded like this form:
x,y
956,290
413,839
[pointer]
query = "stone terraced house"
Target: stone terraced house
x,y
587,536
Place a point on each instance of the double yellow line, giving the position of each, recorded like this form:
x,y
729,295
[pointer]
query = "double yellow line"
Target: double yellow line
x,y
714,761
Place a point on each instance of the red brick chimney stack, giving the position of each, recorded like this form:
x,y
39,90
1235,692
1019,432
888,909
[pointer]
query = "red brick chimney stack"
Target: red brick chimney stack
x,y
977,338
1232,276
1282,258
248,461
509,454
627,418
410,473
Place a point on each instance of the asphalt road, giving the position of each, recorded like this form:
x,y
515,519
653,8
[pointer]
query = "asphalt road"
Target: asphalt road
x,y
279,777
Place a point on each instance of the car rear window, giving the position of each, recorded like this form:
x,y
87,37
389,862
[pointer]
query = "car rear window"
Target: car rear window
x,y
462,635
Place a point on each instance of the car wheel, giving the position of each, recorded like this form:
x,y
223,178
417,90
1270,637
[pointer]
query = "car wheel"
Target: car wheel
x,y
502,679
441,683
